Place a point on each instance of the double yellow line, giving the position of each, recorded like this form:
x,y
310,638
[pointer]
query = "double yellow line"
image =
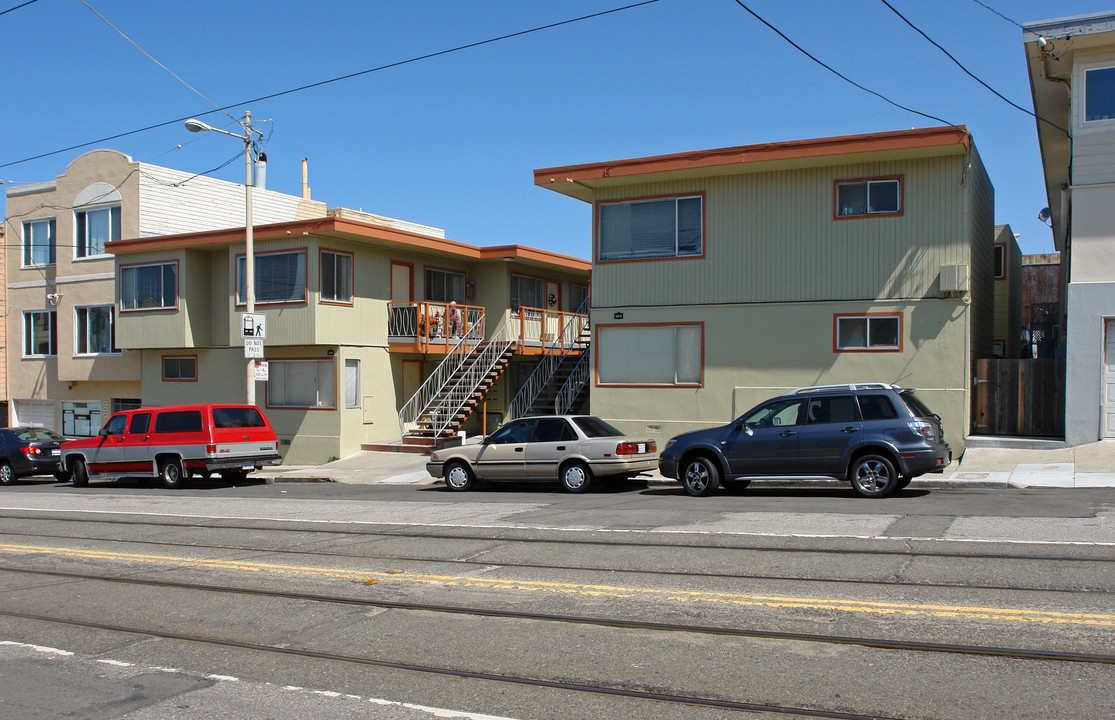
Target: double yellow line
x,y
654,594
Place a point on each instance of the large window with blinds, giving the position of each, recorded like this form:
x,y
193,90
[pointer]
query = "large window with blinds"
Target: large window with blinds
x,y
650,355
649,229
280,277
302,384
445,286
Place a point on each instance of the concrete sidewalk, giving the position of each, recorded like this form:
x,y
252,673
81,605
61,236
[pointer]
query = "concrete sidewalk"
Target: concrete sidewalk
x,y
1084,466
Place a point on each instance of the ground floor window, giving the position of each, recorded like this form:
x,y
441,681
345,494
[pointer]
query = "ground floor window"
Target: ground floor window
x,y
352,383
302,384
81,419
879,332
671,355
121,404
180,368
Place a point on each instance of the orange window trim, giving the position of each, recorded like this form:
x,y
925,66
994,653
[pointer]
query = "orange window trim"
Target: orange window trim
x,y
674,258
671,386
301,408
290,251
835,338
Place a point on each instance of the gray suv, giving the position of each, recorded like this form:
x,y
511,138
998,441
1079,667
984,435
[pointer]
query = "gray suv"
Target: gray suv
x,y
876,436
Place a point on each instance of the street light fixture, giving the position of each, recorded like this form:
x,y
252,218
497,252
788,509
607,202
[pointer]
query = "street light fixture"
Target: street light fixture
x,y
195,125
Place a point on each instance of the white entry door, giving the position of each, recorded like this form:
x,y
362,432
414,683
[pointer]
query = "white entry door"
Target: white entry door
x,y
35,412
1109,379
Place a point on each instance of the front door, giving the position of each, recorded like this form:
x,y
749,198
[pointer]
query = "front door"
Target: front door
x,y
765,442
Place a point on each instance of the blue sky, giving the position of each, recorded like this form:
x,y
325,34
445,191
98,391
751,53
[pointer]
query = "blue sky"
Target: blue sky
x,y
453,141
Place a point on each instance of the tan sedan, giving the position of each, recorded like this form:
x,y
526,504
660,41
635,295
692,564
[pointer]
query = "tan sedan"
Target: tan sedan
x,y
574,449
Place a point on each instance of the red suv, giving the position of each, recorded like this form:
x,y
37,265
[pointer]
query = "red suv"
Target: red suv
x,y
174,442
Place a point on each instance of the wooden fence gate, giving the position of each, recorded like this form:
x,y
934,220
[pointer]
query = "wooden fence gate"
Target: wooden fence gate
x,y
1019,397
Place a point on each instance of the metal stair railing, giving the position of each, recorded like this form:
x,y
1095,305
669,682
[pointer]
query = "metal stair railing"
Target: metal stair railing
x,y
483,361
569,392
422,400
555,352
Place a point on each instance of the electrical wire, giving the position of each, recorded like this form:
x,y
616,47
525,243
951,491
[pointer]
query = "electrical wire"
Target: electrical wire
x,y
835,72
152,59
17,7
339,78
985,5
969,73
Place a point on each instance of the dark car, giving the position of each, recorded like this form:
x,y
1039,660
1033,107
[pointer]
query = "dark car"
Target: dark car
x,y
29,451
875,435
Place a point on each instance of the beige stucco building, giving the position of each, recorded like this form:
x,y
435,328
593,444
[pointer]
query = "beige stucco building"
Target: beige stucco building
x,y
725,276
65,366
361,313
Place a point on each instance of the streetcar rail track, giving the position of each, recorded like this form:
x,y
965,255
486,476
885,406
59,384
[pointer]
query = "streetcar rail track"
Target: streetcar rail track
x,y
876,643
575,568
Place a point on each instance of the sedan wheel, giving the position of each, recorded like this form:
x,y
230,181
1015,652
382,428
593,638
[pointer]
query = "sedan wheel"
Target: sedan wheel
x,y
700,477
576,477
459,476
7,475
873,476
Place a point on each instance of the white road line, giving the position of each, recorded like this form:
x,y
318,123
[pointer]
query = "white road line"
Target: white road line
x,y
37,648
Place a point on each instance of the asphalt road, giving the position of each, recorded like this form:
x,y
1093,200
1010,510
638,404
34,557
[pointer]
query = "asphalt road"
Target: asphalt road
x,y
326,600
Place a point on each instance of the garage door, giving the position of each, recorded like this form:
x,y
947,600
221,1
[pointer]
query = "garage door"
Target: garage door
x,y
35,412
1109,380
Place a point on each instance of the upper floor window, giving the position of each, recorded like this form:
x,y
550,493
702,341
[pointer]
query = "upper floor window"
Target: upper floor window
x,y
1099,94
578,298
95,330
867,332
38,242
40,333
647,229
444,286
146,287
93,228
527,292
336,277
280,277
881,196
1000,261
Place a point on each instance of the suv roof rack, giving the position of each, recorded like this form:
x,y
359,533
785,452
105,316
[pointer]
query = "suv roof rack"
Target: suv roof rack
x,y
847,386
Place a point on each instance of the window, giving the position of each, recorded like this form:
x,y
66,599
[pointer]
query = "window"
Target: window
x,y
146,287
240,417
336,277
302,384
841,409
553,430
512,433
179,368
140,423
116,425
279,277
527,292
95,330
578,298
121,404
775,414
868,332
352,383
38,242
670,355
643,229
877,407
40,334
444,286
1099,94
81,419
1000,261
178,421
998,348
869,197
93,228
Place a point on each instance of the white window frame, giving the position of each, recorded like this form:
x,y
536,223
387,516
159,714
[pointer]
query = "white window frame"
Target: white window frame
x,y
849,211
686,361
625,248
28,333
78,340
324,383
81,231
870,318
333,257
352,383
261,287
28,254
133,270
1084,70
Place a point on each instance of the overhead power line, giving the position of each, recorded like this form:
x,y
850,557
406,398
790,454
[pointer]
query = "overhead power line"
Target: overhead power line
x,y
17,7
985,5
339,78
835,72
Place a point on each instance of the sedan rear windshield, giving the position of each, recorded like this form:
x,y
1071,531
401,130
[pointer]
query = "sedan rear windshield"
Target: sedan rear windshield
x,y
594,427
38,435
237,417
917,407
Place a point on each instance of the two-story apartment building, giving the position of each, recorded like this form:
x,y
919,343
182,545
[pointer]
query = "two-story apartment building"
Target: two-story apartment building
x,y
1071,63
363,314
65,367
722,277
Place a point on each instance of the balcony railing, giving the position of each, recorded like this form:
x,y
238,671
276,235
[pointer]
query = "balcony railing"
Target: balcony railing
x,y
438,325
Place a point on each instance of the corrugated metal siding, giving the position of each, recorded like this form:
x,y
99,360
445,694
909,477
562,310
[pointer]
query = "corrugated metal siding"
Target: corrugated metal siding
x,y
171,201
771,237
365,323
155,328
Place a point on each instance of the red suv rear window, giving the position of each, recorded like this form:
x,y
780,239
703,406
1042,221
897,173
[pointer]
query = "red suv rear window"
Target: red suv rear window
x,y
237,417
